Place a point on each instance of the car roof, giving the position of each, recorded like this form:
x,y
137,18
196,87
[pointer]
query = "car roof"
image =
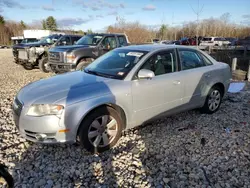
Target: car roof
x,y
108,34
73,35
153,47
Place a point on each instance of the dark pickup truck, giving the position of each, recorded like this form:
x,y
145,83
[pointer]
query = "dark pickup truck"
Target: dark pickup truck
x,y
86,50
33,54
244,42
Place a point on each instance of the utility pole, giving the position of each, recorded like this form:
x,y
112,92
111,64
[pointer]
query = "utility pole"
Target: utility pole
x,y
198,13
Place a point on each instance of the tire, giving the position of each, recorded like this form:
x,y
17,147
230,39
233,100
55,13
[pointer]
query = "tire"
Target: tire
x,y
213,100
28,66
6,176
16,61
91,136
42,63
83,63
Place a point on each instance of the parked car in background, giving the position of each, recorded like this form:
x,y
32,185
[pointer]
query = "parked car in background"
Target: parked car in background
x,y
122,89
176,42
188,41
214,41
36,54
88,48
3,46
244,42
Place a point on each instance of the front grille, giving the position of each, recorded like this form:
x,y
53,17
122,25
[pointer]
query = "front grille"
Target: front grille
x,y
22,54
54,56
17,106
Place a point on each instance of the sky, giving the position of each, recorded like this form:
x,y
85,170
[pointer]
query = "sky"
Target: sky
x,y
98,14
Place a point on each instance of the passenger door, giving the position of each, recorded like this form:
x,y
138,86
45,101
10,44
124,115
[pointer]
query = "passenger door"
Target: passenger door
x,y
153,97
196,77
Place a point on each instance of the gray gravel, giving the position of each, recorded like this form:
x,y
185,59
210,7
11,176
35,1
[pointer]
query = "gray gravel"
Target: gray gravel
x,y
185,150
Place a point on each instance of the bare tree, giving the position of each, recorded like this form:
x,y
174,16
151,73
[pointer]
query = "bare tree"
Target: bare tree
x,y
198,12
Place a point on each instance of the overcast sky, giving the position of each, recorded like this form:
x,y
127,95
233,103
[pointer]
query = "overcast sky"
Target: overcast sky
x,y
98,14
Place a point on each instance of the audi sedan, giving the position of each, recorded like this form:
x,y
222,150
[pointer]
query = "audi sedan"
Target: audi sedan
x,y
124,88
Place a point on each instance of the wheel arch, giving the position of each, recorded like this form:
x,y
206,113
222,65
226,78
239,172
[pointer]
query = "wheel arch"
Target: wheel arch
x,y
221,86
116,107
81,58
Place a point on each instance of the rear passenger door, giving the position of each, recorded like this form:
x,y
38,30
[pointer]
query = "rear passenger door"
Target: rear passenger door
x,y
196,77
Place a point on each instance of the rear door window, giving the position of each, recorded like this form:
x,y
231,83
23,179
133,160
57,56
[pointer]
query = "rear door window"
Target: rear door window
x,y
190,59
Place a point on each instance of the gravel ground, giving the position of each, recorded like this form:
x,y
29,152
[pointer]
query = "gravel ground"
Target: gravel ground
x,y
185,150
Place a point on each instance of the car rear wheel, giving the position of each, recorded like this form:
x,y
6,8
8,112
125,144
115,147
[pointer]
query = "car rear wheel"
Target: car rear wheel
x,y
101,130
83,63
42,64
213,100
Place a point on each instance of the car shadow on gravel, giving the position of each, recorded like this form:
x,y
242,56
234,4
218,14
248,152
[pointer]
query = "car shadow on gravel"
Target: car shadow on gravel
x,y
177,151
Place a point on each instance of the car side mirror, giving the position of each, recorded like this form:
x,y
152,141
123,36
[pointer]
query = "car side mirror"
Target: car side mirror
x,y
146,74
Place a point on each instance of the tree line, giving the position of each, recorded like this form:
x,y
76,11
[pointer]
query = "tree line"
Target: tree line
x,y
221,27
137,32
10,29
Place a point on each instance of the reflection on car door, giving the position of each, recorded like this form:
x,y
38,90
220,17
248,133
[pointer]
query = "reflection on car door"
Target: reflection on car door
x,y
196,75
162,93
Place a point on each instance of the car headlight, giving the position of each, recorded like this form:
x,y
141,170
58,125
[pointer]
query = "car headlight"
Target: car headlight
x,y
45,109
70,58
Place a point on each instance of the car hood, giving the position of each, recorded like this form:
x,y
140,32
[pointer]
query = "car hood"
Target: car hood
x,y
67,48
65,88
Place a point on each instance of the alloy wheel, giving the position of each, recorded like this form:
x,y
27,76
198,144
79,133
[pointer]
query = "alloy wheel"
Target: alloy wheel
x,y
214,100
102,131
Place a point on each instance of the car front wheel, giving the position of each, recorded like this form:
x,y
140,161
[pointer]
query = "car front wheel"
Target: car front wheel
x,y
42,64
213,101
100,130
84,63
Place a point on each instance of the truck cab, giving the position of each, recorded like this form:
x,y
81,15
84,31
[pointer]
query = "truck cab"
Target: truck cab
x,y
85,51
36,54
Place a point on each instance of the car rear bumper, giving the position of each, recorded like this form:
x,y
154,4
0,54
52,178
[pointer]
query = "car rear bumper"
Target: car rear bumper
x,y
60,67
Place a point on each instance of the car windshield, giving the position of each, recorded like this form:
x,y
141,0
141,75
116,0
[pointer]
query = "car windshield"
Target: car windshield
x,y
49,39
116,63
89,40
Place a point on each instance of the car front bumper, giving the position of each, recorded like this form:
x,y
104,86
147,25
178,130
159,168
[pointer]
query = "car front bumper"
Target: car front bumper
x,y
43,129
60,67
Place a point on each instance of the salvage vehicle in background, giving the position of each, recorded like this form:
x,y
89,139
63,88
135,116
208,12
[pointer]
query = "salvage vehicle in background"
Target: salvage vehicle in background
x,y
122,89
33,54
214,41
88,48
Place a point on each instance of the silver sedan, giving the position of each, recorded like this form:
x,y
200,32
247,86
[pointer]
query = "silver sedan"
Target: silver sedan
x,y
124,88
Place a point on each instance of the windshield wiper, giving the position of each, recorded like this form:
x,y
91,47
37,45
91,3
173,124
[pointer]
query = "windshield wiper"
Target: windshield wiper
x,y
98,73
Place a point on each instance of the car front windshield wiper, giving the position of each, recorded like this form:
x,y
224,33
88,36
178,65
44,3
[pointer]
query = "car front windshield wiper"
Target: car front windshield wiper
x,y
98,73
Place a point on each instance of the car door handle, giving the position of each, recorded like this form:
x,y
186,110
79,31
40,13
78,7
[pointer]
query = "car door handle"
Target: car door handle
x,y
207,75
177,82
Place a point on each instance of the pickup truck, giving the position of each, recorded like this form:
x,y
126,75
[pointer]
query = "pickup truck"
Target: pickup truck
x,y
33,54
86,50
